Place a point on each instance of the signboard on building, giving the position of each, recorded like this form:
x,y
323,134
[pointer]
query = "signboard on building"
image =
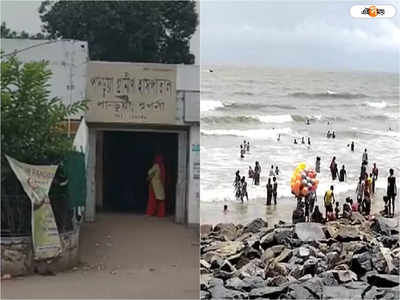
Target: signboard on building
x,y
36,182
131,93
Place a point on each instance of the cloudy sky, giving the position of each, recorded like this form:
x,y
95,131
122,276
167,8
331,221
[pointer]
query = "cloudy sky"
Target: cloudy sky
x,y
311,34
297,34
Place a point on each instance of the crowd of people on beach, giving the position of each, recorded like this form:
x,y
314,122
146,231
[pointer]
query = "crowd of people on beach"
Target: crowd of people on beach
x,y
307,209
365,192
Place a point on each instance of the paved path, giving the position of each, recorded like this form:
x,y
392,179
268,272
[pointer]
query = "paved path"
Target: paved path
x,y
123,256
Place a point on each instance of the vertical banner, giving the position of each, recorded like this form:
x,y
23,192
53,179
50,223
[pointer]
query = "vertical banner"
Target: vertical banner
x,y
36,182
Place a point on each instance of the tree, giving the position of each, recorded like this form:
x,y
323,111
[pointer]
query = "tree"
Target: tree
x,y
31,121
136,31
7,33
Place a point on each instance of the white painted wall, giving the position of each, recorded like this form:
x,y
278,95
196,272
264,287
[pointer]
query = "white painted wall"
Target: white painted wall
x,y
193,195
67,60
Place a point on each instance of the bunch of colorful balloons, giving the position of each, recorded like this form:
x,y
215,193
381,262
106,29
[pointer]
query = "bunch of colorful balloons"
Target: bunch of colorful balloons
x,y
303,180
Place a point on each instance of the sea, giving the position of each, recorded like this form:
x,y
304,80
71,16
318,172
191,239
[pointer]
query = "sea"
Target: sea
x,y
257,104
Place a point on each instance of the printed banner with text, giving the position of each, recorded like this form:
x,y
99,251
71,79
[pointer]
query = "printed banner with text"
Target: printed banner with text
x,y
36,181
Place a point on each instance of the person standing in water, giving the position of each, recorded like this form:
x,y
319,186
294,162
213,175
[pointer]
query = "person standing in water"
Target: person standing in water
x,y
269,191
333,135
241,151
251,172
309,141
279,137
248,146
244,190
236,184
318,164
276,171
302,140
272,172
374,177
257,172
342,174
275,189
333,168
352,146
365,157
391,191
295,142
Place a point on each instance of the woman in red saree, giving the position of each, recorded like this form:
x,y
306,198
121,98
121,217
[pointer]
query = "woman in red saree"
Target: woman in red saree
x,y
156,176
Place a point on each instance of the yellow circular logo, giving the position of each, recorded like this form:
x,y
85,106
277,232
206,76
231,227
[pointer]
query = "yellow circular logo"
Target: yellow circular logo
x,y
373,11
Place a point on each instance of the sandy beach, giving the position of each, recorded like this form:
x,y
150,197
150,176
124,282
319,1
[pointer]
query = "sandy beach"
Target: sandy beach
x,y
238,213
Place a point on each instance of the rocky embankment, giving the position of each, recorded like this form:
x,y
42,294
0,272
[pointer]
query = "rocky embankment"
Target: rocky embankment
x,y
345,259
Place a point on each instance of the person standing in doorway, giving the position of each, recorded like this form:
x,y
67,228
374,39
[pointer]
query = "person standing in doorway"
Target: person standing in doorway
x,y
156,176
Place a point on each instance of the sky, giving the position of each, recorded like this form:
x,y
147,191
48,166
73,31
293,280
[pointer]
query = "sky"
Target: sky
x,y
317,35
314,34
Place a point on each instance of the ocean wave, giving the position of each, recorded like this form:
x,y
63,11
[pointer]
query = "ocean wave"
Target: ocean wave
x,y
207,105
256,106
247,119
393,115
250,133
240,93
389,133
327,95
275,118
230,120
381,104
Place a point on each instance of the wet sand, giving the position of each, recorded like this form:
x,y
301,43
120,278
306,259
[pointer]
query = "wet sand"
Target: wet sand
x,y
143,257
238,213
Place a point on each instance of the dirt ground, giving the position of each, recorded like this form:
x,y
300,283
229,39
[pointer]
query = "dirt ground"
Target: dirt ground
x,y
123,256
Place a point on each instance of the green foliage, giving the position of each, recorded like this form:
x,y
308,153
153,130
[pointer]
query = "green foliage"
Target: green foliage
x,y
136,31
7,33
31,121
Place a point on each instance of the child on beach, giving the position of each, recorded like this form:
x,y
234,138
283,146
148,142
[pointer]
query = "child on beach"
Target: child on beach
x,y
337,210
317,216
346,210
329,200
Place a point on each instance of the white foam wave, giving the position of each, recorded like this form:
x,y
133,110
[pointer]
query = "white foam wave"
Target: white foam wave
x,y
381,104
393,115
207,105
261,134
275,118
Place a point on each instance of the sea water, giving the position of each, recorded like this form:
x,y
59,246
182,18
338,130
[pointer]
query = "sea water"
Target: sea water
x,y
258,104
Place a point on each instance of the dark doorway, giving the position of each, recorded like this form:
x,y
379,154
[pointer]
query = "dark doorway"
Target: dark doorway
x,y
127,156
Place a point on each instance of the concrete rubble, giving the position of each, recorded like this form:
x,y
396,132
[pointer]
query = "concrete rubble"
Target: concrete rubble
x,y
344,259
